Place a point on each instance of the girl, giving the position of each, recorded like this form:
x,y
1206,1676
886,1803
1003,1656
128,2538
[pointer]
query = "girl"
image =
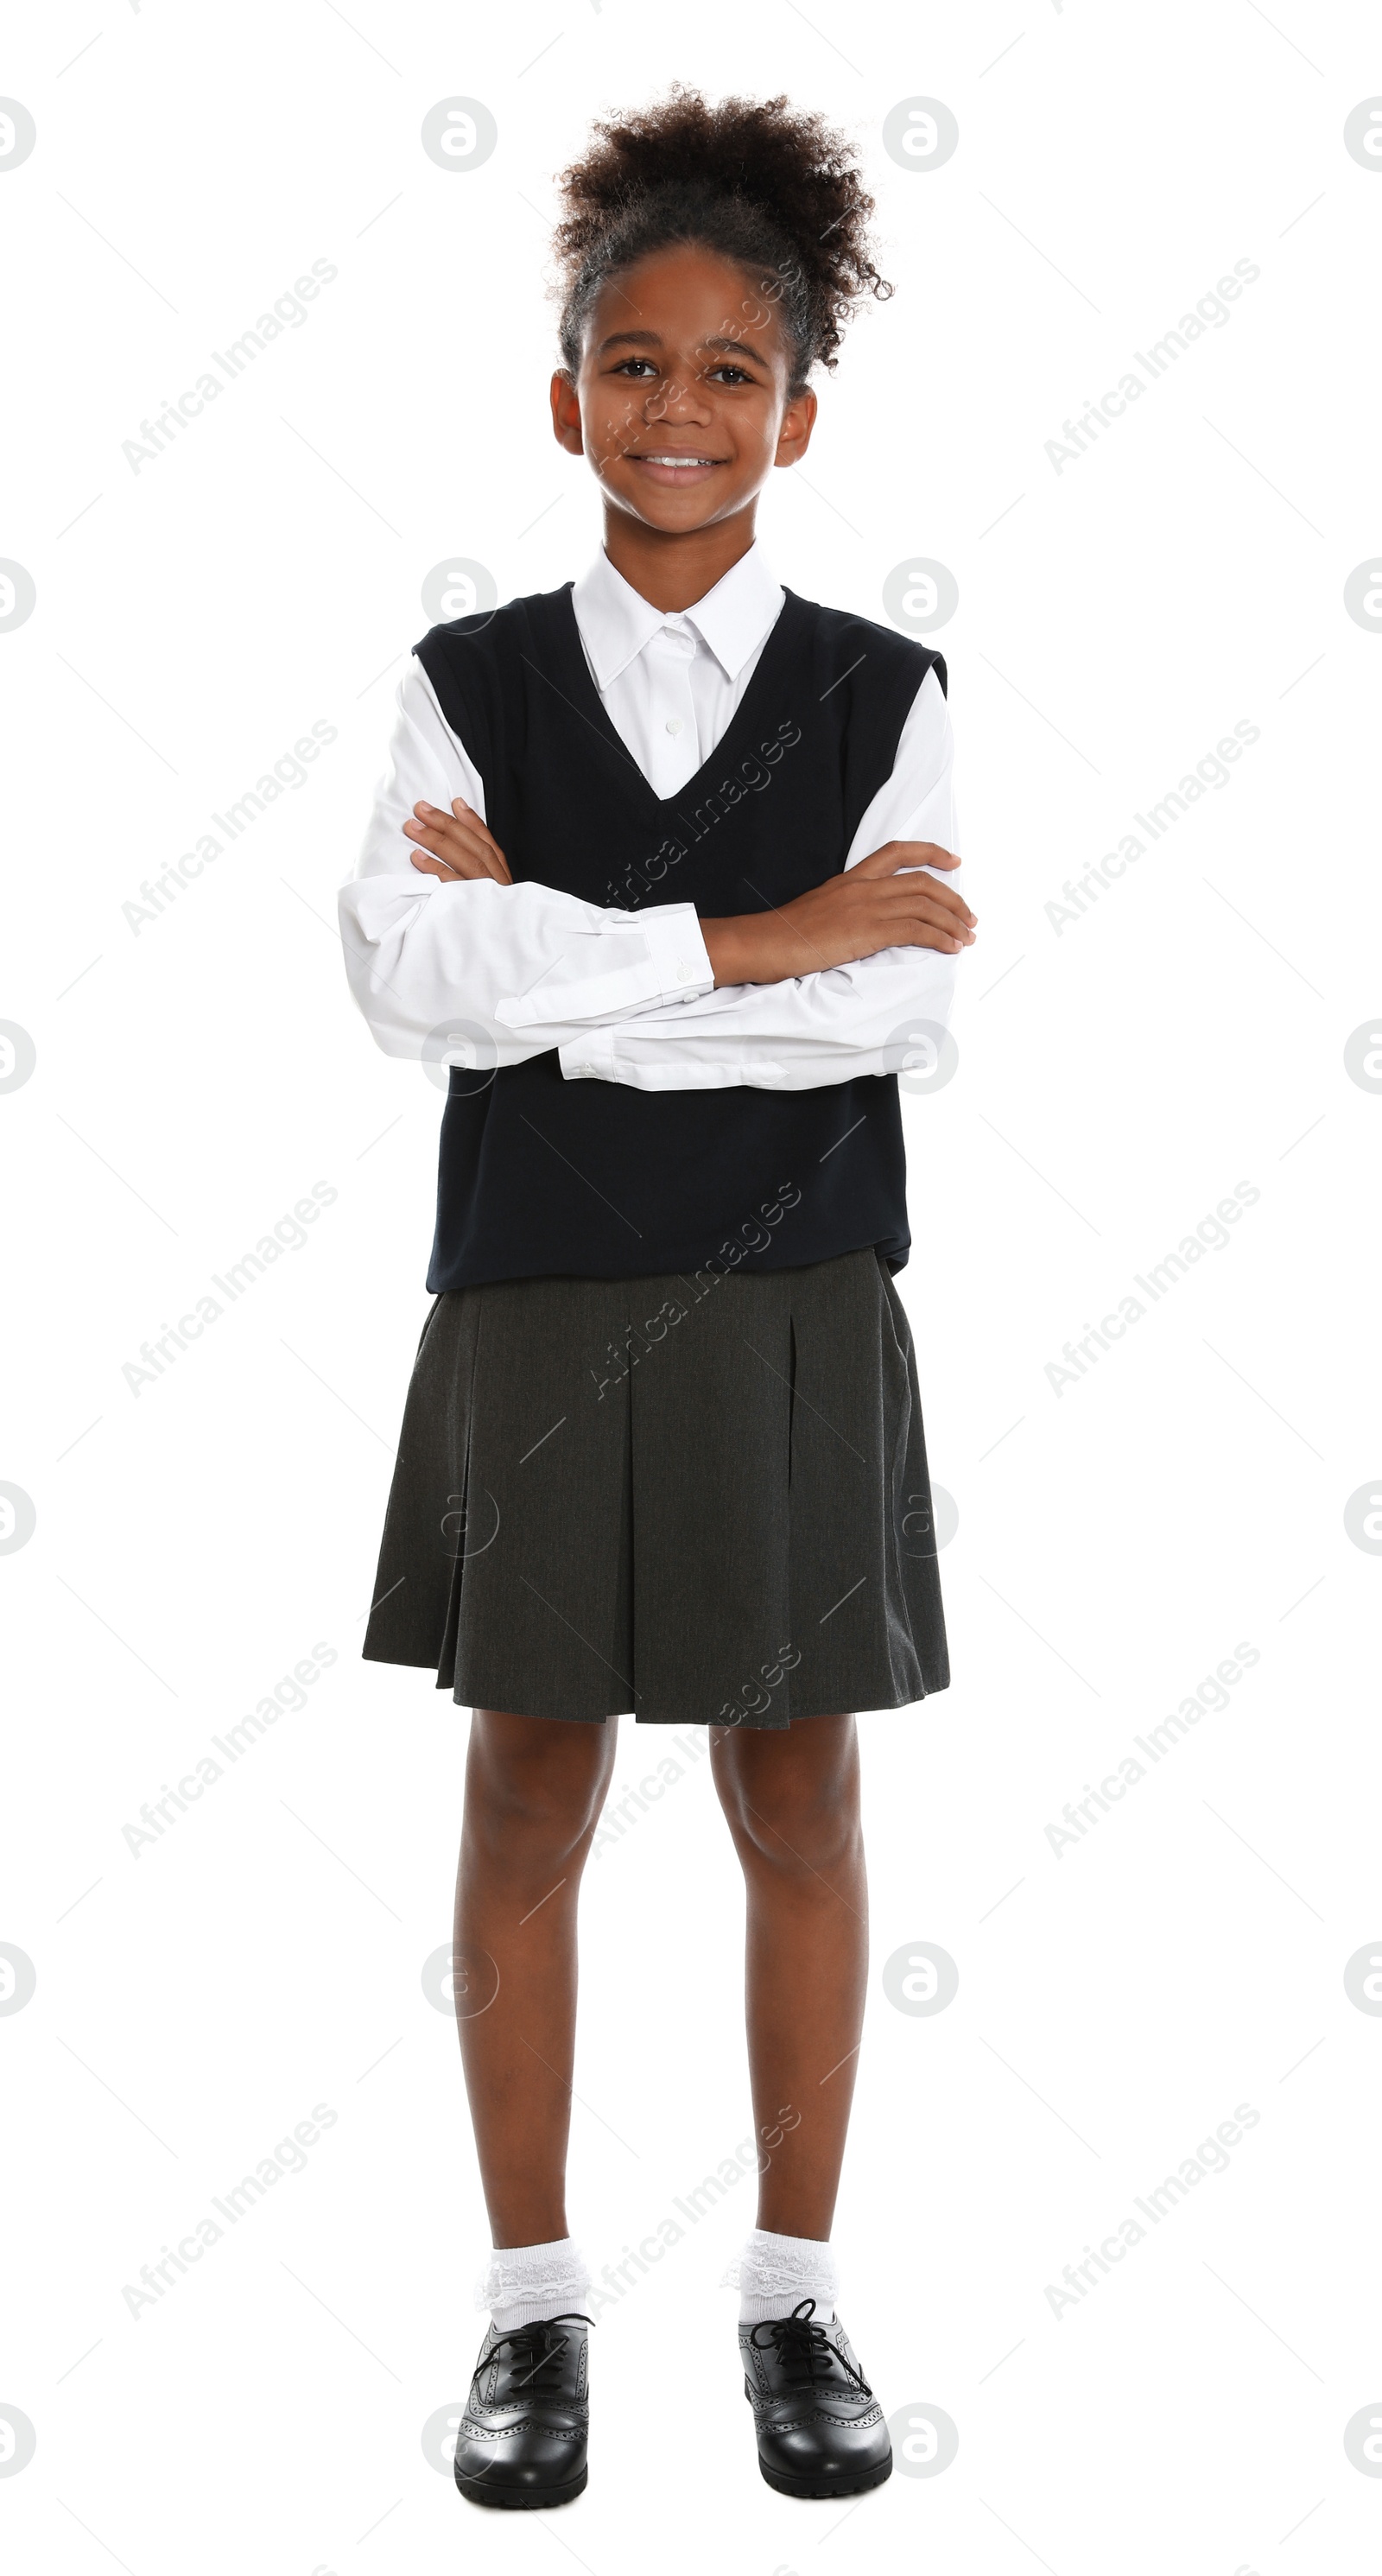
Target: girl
x,y
674,913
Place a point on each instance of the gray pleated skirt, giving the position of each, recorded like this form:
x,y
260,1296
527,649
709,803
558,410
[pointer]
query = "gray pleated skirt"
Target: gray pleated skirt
x,y
702,1500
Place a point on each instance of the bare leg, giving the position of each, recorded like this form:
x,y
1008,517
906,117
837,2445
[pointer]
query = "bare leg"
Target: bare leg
x,y
533,1794
792,1802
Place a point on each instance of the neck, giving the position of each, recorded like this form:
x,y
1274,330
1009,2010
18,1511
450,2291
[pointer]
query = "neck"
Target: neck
x,y
674,571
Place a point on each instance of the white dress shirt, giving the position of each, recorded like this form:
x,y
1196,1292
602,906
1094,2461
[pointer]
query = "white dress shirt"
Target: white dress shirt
x,y
630,996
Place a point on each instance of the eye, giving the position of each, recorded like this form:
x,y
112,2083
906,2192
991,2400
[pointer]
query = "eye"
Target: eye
x,y
727,371
625,366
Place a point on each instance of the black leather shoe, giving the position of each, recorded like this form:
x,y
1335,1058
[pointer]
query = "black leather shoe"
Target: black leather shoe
x,y
522,2440
820,2428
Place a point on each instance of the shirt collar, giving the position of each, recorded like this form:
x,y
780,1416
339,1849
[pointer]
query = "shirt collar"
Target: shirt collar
x,y
616,621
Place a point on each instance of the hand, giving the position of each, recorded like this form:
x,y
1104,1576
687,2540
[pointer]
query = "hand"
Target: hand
x,y
887,901
461,845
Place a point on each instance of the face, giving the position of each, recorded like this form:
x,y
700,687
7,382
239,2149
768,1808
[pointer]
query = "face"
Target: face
x,y
681,400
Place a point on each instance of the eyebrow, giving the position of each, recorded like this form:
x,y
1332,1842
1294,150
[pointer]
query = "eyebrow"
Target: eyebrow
x,y
654,340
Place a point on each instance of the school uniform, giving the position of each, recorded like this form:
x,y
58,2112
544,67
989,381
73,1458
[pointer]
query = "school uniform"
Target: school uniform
x,y
663,1450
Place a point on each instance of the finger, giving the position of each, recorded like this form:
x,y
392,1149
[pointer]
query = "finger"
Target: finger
x,y
915,935
499,867
444,841
919,892
934,933
907,854
436,818
926,854
469,855
475,823
903,921
452,861
937,929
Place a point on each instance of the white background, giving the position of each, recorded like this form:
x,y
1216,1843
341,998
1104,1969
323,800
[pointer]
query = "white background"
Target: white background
x,y
1116,1540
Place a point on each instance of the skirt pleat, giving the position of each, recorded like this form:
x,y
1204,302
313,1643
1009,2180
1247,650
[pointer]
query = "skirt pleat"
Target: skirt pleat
x,y
702,1500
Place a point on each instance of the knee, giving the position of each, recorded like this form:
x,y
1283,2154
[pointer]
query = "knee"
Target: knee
x,y
793,1818
545,1798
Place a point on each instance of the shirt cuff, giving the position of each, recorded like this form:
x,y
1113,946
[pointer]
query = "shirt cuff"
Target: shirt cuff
x,y
589,1058
669,963
680,957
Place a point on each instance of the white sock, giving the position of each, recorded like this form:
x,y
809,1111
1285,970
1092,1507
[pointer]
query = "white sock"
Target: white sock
x,y
775,2273
525,2282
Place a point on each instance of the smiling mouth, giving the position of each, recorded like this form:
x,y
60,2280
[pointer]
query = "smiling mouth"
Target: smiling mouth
x,y
674,462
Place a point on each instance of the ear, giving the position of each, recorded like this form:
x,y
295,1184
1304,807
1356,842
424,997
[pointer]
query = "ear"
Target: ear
x,y
566,414
798,421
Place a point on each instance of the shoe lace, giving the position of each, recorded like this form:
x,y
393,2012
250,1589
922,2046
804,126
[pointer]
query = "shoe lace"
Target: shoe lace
x,y
805,2351
536,2352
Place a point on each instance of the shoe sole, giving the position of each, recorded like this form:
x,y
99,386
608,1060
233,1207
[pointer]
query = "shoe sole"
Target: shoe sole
x,y
520,2499
828,2486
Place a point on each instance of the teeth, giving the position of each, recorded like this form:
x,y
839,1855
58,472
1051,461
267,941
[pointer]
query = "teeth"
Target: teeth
x,y
678,460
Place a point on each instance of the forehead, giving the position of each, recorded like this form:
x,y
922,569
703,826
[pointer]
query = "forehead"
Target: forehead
x,y
685,297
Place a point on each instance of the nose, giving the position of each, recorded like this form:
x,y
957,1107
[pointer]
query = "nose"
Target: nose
x,y
682,397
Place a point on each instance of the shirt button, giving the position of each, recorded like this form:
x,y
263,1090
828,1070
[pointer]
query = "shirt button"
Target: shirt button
x,y
674,724
685,974
585,1068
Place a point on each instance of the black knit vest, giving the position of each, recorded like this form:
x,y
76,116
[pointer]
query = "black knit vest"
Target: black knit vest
x,y
594,1179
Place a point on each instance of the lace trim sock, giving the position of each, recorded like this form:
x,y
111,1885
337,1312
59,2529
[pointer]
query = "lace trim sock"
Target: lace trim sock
x,y
774,2273
525,2282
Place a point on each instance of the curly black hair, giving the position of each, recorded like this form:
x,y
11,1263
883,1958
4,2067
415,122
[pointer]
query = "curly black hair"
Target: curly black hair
x,y
773,188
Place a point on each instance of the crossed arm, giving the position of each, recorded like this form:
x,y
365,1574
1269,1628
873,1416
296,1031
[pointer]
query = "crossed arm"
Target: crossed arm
x,y
809,994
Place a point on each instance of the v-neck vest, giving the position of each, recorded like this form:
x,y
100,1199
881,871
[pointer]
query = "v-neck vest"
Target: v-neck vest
x,y
541,1177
